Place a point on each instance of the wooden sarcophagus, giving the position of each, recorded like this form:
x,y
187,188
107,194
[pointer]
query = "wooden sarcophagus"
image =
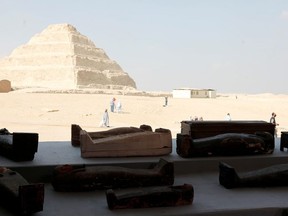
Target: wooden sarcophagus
x,y
18,146
122,141
201,129
18,195
202,138
71,178
147,197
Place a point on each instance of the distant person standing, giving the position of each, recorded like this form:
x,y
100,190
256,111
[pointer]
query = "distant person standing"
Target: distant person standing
x,y
166,101
228,117
119,106
273,121
105,119
112,104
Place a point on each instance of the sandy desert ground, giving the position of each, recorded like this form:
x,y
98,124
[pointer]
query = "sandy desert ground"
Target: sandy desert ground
x,y
51,115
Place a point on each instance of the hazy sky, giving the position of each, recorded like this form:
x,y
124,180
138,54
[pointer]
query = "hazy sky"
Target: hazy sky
x,y
233,46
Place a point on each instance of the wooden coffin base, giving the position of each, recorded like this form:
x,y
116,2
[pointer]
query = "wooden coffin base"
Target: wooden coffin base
x,y
136,142
151,197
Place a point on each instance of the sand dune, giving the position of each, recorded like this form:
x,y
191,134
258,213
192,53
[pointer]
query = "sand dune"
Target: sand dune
x,y
51,115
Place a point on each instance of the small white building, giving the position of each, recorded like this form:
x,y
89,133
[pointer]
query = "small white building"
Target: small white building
x,y
194,93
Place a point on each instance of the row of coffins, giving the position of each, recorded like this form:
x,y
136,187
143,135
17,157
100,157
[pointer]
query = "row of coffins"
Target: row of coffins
x,y
151,187
222,138
197,138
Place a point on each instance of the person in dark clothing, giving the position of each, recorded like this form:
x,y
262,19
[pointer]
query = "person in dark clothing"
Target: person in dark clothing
x,y
273,121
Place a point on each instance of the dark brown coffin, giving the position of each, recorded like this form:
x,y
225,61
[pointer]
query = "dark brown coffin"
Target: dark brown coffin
x,y
146,197
203,138
19,146
202,129
71,178
284,140
18,195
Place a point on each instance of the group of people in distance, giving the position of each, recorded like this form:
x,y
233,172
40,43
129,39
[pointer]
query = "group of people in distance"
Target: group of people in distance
x,y
113,106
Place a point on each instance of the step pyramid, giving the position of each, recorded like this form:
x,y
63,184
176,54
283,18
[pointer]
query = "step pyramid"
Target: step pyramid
x,y
60,57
